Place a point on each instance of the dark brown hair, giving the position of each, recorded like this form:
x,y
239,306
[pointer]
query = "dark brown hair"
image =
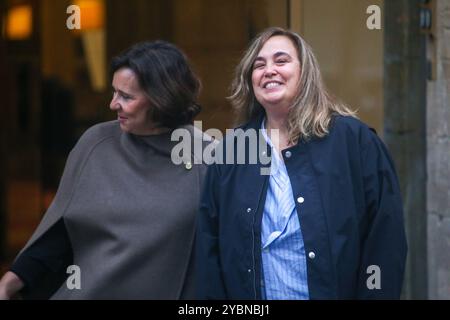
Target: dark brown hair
x,y
165,75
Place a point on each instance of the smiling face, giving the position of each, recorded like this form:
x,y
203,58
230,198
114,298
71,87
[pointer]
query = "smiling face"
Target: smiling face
x,y
130,103
276,74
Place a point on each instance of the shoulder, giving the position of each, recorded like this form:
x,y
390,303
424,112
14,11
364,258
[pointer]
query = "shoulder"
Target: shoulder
x,y
349,139
351,124
249,130
194,135
94,136
360,137
354,129
195,138
198,135
99,132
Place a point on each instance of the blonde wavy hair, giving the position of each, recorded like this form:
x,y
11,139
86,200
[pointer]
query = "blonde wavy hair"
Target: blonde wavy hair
x,y
312,108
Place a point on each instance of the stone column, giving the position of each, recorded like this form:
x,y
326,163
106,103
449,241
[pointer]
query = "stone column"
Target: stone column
x,y
404,128
438,155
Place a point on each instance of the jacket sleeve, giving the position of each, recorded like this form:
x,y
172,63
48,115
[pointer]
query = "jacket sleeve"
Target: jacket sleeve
x,y
383,246
210,284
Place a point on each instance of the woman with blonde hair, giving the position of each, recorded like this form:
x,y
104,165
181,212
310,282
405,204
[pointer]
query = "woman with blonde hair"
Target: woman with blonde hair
x,y
327,223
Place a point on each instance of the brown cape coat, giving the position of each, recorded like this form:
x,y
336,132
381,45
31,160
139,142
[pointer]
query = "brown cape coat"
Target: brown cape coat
x,y
130,215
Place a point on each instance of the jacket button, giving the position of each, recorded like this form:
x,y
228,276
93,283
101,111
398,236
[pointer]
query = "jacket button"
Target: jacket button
x,y
288,154
249,270
188,165
311,255
249,210
300,199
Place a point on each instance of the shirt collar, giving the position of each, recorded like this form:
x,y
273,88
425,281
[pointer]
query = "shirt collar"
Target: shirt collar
x,y
277,161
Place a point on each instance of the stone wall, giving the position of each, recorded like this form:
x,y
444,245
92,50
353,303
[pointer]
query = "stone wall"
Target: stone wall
x,y
438,156
405,129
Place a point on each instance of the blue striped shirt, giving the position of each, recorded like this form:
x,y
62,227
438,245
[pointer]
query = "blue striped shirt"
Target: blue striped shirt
x,y
284,273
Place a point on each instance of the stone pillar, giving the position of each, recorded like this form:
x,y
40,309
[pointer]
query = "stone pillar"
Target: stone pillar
x,y
438,155
404,128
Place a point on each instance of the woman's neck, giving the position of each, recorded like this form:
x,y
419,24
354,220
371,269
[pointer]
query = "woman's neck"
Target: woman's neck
x,y
152,131
280,140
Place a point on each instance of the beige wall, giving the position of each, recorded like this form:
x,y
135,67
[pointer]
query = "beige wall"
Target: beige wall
x,y
214,35
350,55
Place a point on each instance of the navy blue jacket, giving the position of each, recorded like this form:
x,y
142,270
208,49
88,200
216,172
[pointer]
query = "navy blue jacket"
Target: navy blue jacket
x,y
351,218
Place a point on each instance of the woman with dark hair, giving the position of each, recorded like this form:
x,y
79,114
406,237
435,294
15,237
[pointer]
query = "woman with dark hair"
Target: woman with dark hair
x,y
122,222
327,223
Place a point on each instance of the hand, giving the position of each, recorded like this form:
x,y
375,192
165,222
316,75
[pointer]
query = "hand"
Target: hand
x,y
3,294
10,285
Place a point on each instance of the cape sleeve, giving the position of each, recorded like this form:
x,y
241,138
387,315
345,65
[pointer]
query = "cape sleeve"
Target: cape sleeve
x,y
51,281
46,256
210,284
384,247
